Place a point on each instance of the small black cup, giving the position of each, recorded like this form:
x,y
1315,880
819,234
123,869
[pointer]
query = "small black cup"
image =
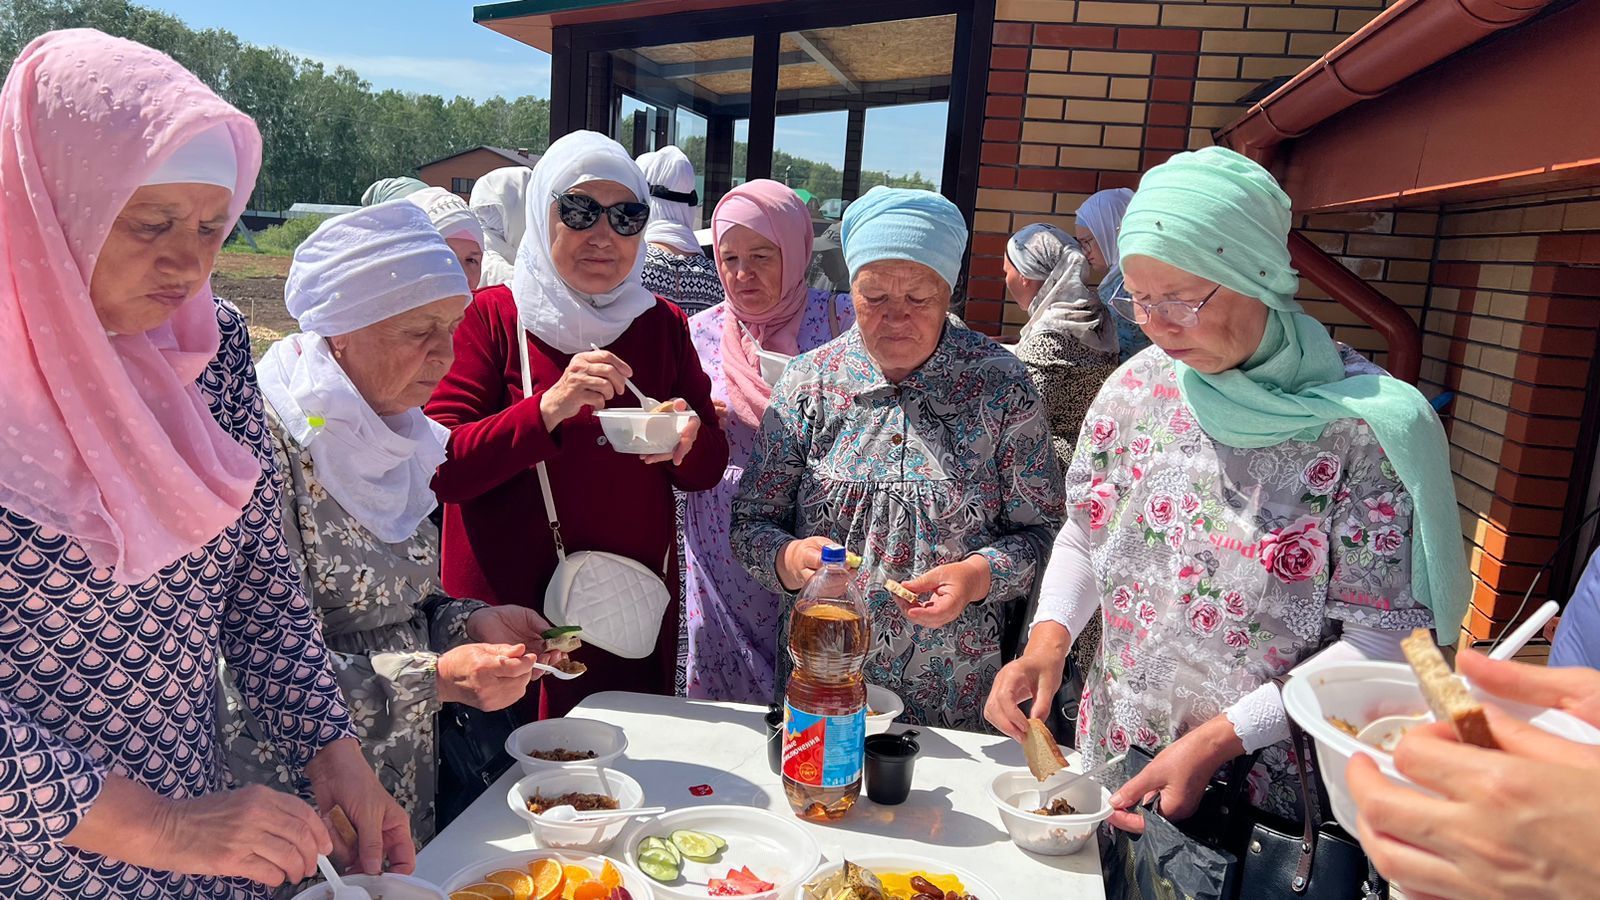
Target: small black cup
x,y
890,759
775,740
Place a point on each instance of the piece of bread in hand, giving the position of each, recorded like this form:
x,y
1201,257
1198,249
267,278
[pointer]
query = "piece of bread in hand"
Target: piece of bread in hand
x,y
342,828
1044,757
1446,693
900,590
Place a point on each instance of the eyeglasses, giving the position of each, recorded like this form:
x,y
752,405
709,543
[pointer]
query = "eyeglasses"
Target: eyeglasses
x,y
581,212
1177,312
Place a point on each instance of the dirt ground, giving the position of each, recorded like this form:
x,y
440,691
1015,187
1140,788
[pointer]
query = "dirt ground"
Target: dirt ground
x,y
254,283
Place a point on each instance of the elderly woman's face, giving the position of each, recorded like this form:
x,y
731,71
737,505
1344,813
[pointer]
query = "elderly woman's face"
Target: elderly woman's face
x,y
1230,325
1022,290
395,364
471,256
1091,249
900,307
159,253
751,268
596,259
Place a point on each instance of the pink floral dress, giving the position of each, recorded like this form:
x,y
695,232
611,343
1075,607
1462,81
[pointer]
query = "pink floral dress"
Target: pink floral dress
x,y
1221,568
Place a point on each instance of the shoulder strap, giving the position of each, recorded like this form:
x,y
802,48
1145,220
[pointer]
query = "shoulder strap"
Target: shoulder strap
x,y
544,477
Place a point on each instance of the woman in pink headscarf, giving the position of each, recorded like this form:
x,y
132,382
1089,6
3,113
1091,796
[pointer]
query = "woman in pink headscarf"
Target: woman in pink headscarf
x,y
762,231
139,507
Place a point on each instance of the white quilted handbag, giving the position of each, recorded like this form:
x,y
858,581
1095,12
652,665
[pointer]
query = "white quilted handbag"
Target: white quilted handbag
x,y
617,601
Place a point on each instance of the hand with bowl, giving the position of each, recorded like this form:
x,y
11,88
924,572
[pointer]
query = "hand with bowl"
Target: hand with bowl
x,y
1513,822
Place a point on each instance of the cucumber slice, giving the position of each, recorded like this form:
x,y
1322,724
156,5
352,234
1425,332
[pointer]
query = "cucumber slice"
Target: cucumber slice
x,y
721,844
652,864
560,631
696,846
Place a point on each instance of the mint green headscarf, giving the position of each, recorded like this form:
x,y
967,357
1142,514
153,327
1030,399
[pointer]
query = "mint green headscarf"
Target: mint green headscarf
x,y
1219,216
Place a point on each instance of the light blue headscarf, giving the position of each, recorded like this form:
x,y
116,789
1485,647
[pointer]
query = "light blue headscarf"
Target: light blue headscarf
x,y
903,223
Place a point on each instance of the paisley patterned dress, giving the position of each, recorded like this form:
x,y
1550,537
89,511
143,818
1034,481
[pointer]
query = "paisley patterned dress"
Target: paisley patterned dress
x,y
955,460
385,623
1220,568
98,679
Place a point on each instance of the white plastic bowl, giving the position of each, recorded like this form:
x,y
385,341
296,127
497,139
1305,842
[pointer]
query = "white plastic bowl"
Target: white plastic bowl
x,y
607,741
888,706
772,365
641,431
636,884
1359,692
1049,835
389,885
590,780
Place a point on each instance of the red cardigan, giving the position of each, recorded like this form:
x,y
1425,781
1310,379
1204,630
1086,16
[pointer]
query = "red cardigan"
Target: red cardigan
x,y
497,545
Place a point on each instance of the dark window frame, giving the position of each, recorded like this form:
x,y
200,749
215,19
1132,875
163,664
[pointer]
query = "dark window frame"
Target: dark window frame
x,y
573,44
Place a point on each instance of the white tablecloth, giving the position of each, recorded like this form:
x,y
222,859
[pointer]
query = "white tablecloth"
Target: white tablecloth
x,y
674,744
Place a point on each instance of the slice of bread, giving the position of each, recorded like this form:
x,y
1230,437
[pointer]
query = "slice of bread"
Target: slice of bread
x,y
1044,757
900,590
1446,693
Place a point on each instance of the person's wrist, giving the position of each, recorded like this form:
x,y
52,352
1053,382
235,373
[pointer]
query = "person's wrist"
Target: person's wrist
x,y
1218,741
978,565
330,757
444,679
1049,641
549,411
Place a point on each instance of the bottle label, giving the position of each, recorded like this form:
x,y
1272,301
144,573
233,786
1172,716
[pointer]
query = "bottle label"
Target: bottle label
x,y
824,751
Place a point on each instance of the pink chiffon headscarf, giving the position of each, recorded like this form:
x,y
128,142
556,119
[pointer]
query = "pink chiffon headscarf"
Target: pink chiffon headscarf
x,y
106,439
777,213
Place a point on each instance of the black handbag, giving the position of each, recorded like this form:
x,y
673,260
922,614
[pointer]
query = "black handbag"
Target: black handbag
x,y
1195,859
1317,860
1229,850
472,756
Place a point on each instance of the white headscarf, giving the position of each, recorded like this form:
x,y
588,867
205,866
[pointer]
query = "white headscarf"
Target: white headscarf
x,y
1064,303
671,222
500,201
560,315
449,213
1102,215
207,158
355,270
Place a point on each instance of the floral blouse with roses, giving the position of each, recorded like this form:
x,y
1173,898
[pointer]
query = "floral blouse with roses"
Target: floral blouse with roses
x,y
1220,568
385,623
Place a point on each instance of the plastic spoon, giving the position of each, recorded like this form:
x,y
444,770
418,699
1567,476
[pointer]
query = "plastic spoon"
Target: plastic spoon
x,y
646,402
1385,732
1028,801
341,891
555,672
568,813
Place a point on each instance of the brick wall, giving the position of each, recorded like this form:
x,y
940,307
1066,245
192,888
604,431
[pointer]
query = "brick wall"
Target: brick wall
x,y
1511,327
1391,250
1085,95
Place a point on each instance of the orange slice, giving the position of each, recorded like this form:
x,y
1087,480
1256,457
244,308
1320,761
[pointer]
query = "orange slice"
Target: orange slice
x,y
591,890
610,877
578,875
491,890
547,877
520,883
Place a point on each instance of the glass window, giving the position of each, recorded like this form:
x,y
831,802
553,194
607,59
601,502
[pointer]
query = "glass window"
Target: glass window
x,y
693,96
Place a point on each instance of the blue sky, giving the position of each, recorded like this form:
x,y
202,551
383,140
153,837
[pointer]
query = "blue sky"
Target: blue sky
x,y
433,46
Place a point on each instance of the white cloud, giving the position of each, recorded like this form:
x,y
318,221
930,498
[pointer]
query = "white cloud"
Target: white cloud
x,y
448,76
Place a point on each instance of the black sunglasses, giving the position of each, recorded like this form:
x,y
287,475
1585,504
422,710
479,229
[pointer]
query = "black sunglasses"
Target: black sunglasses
x,y
580,212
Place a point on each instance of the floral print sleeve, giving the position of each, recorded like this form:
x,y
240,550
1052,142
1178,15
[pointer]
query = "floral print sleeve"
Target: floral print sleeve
x,y
1369,524
764,509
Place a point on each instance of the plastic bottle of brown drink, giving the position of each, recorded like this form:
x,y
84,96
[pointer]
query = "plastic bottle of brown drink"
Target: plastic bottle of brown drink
x,y
825,705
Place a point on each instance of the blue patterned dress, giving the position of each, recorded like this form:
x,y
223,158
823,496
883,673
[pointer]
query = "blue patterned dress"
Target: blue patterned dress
x,y
955,460
98,679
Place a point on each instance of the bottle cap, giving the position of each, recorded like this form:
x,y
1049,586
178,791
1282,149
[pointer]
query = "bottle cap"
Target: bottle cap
x,y
833,555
